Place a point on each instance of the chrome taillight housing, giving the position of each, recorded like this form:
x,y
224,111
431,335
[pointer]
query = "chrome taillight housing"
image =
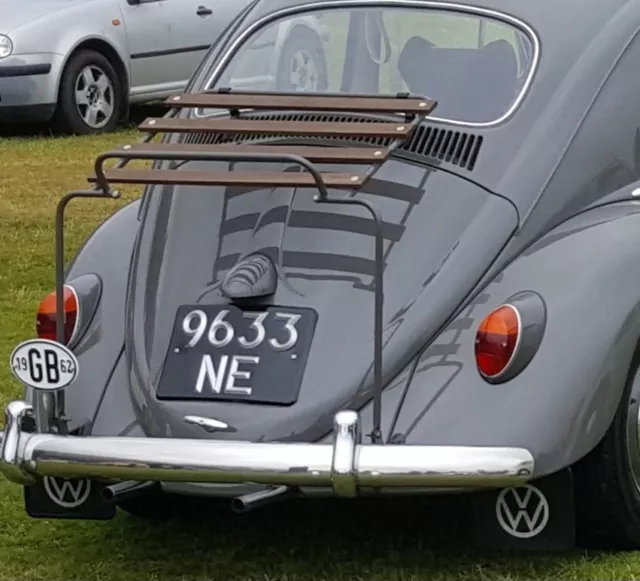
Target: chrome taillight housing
x,y
81,297
509,336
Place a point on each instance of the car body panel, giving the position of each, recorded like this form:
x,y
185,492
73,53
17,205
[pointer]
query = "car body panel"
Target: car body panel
x,y
14,16
26,80
106,253
562,404
338,293
114,411
167,40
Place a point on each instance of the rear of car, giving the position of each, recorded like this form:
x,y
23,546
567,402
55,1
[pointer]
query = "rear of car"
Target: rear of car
x,y
310,255
352,340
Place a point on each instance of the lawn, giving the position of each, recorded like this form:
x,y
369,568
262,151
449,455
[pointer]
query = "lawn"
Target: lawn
x,y
313,540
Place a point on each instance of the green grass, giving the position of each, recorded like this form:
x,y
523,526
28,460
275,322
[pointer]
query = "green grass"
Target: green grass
x,y
364,539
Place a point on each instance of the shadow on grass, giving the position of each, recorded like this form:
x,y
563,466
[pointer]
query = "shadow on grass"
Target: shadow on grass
x,y
137,115
312,539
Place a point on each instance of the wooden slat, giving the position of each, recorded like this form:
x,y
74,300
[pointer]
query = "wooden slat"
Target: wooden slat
x,y
313,154
274,102
247,126
224,178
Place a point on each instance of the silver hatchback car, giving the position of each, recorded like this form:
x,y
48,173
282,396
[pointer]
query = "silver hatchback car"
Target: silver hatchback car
x,y
79,63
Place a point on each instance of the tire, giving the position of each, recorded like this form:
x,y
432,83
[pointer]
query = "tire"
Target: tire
x,y
90,76
607,480
303,53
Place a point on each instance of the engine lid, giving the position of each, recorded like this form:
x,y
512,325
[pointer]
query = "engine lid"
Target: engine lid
x,y
441,233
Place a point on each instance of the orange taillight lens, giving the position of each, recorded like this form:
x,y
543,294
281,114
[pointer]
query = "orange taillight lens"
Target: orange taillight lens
x,y
46,317
497,340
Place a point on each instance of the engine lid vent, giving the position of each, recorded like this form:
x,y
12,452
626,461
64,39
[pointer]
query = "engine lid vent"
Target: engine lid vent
x,y
455,147
434,143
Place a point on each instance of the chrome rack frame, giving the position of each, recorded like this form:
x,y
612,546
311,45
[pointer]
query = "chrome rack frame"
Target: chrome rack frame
x,y
49,408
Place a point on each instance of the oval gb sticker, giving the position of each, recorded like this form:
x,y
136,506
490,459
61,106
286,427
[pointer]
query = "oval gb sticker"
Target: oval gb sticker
x,y
43,364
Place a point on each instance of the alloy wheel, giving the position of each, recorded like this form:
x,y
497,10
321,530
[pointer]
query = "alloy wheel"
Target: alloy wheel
x,y
94,96
303,72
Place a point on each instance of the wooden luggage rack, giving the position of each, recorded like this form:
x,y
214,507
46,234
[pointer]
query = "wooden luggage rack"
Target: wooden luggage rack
x,y
408,110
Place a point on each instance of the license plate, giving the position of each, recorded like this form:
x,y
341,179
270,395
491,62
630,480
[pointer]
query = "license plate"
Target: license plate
x,y
222,352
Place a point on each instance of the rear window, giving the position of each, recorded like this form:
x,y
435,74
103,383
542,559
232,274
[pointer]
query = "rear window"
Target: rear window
x,y
477,68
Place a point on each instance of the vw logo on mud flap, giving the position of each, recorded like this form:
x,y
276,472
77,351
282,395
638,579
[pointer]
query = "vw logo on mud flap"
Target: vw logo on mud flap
x,y
522,512
67,492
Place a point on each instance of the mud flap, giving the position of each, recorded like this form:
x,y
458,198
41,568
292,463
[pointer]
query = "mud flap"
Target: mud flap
x,y
538,516
67,498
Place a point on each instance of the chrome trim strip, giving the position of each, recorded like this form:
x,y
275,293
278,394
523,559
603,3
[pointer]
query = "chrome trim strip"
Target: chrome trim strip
x,y
316,6
234,490
346,466
207,424
76,324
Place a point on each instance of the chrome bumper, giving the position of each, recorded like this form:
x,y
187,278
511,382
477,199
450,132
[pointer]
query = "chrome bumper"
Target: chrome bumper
x,y
346,465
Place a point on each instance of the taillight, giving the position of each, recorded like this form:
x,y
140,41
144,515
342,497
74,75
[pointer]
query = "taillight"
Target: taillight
x,y
497,341
509,336
46,317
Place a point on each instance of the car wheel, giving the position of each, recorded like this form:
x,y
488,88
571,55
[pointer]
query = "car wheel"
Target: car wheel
x,y
90,96
302,65
607,480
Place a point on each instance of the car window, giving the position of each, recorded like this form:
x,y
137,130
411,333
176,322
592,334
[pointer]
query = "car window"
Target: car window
x,y
476,67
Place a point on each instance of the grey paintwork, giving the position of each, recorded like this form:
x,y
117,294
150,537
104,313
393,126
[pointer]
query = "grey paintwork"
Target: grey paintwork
x,y
549,208
155,48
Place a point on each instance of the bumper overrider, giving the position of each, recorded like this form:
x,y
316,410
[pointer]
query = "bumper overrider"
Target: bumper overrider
x,y
346,465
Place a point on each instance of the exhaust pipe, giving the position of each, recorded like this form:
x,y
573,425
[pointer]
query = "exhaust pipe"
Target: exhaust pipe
x,y
253,500
128,489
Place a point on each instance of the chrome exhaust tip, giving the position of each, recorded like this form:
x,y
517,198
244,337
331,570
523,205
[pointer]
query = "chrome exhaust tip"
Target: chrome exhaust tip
x,y
254,500
127,490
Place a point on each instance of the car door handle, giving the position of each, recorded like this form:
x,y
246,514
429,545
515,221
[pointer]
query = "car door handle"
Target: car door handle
x,y
204,11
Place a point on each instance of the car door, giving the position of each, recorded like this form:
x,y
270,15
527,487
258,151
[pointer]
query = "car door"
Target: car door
x,y
149,39
169,38
196,25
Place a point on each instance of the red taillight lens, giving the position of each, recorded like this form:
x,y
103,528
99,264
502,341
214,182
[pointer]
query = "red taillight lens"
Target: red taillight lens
x,y
46,317
497,340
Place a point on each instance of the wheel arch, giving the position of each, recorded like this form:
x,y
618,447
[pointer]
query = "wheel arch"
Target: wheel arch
x,y
606,479
625,351
106,49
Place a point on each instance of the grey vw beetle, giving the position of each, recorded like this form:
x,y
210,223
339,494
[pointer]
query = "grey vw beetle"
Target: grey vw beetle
x,y
422,279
